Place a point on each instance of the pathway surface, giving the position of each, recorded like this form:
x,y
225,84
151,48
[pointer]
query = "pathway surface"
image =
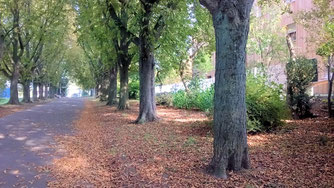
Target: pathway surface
x,y
26,140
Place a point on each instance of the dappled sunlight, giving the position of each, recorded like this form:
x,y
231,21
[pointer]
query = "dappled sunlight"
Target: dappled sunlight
x,y
22,138
182,116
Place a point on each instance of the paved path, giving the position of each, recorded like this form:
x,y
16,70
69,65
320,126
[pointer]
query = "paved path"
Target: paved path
x,y
26,140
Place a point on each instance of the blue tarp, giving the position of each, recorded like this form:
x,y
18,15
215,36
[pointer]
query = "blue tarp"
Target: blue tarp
x,y
5,93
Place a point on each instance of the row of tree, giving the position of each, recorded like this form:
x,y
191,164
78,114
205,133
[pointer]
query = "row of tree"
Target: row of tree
x,y
32,41
158,38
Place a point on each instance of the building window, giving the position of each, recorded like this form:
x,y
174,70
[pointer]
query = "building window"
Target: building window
x,y
315,68
292,32
293,36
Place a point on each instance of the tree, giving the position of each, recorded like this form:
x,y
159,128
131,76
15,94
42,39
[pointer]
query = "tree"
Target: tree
x,y
322,37
150,20
93,37
327,50
231,24
266,35
186,42
122,43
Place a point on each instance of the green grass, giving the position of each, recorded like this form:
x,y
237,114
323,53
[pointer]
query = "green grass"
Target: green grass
x,y
4,101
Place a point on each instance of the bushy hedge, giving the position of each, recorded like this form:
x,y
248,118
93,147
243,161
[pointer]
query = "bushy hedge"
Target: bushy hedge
x,y
300,73
266,105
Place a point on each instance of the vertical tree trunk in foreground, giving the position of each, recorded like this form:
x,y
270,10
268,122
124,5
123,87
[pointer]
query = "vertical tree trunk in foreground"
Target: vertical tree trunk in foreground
x,y
26,92
40,91
34,91
231,24
147,106
112,96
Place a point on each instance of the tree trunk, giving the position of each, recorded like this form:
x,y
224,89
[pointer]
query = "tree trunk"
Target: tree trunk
x,y
330,86
14,94
330,91
124,87
112,95
26,92
40,91
147,106
231,24
52,91
2,44
34,91
46,92
292,58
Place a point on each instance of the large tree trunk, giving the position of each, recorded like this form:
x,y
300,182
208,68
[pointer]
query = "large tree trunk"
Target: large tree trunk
x,y
14,94
112,96
40,91
147,104
124,86
26,92
231,24
34,92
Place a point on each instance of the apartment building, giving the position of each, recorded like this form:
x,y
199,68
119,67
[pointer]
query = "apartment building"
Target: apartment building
x,y
302,46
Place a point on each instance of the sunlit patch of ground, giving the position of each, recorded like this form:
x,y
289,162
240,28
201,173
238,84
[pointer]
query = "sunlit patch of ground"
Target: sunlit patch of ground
x,y
110,151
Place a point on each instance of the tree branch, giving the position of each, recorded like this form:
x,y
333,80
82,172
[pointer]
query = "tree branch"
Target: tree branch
x,y
120,24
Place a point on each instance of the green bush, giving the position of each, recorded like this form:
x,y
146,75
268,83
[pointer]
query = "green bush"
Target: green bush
x,y
195,98
134,89
164,99
300,73
265,102
266,105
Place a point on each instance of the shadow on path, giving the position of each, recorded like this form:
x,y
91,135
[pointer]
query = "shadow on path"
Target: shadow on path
x,y
26,140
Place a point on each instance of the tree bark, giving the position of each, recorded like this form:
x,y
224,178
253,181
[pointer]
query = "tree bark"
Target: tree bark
x,y
26,91
124,85
52,91
2,45
40,91
147,106
18,50
46,91
14,94
231,24
330,86
292,58
34,92
112,96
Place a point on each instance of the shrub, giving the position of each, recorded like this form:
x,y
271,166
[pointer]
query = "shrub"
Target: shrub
x,y
164,99
265,103
134,89
300,73
266,106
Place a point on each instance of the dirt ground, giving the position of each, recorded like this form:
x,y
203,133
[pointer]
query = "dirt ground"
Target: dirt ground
x,y
108,150
6,110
